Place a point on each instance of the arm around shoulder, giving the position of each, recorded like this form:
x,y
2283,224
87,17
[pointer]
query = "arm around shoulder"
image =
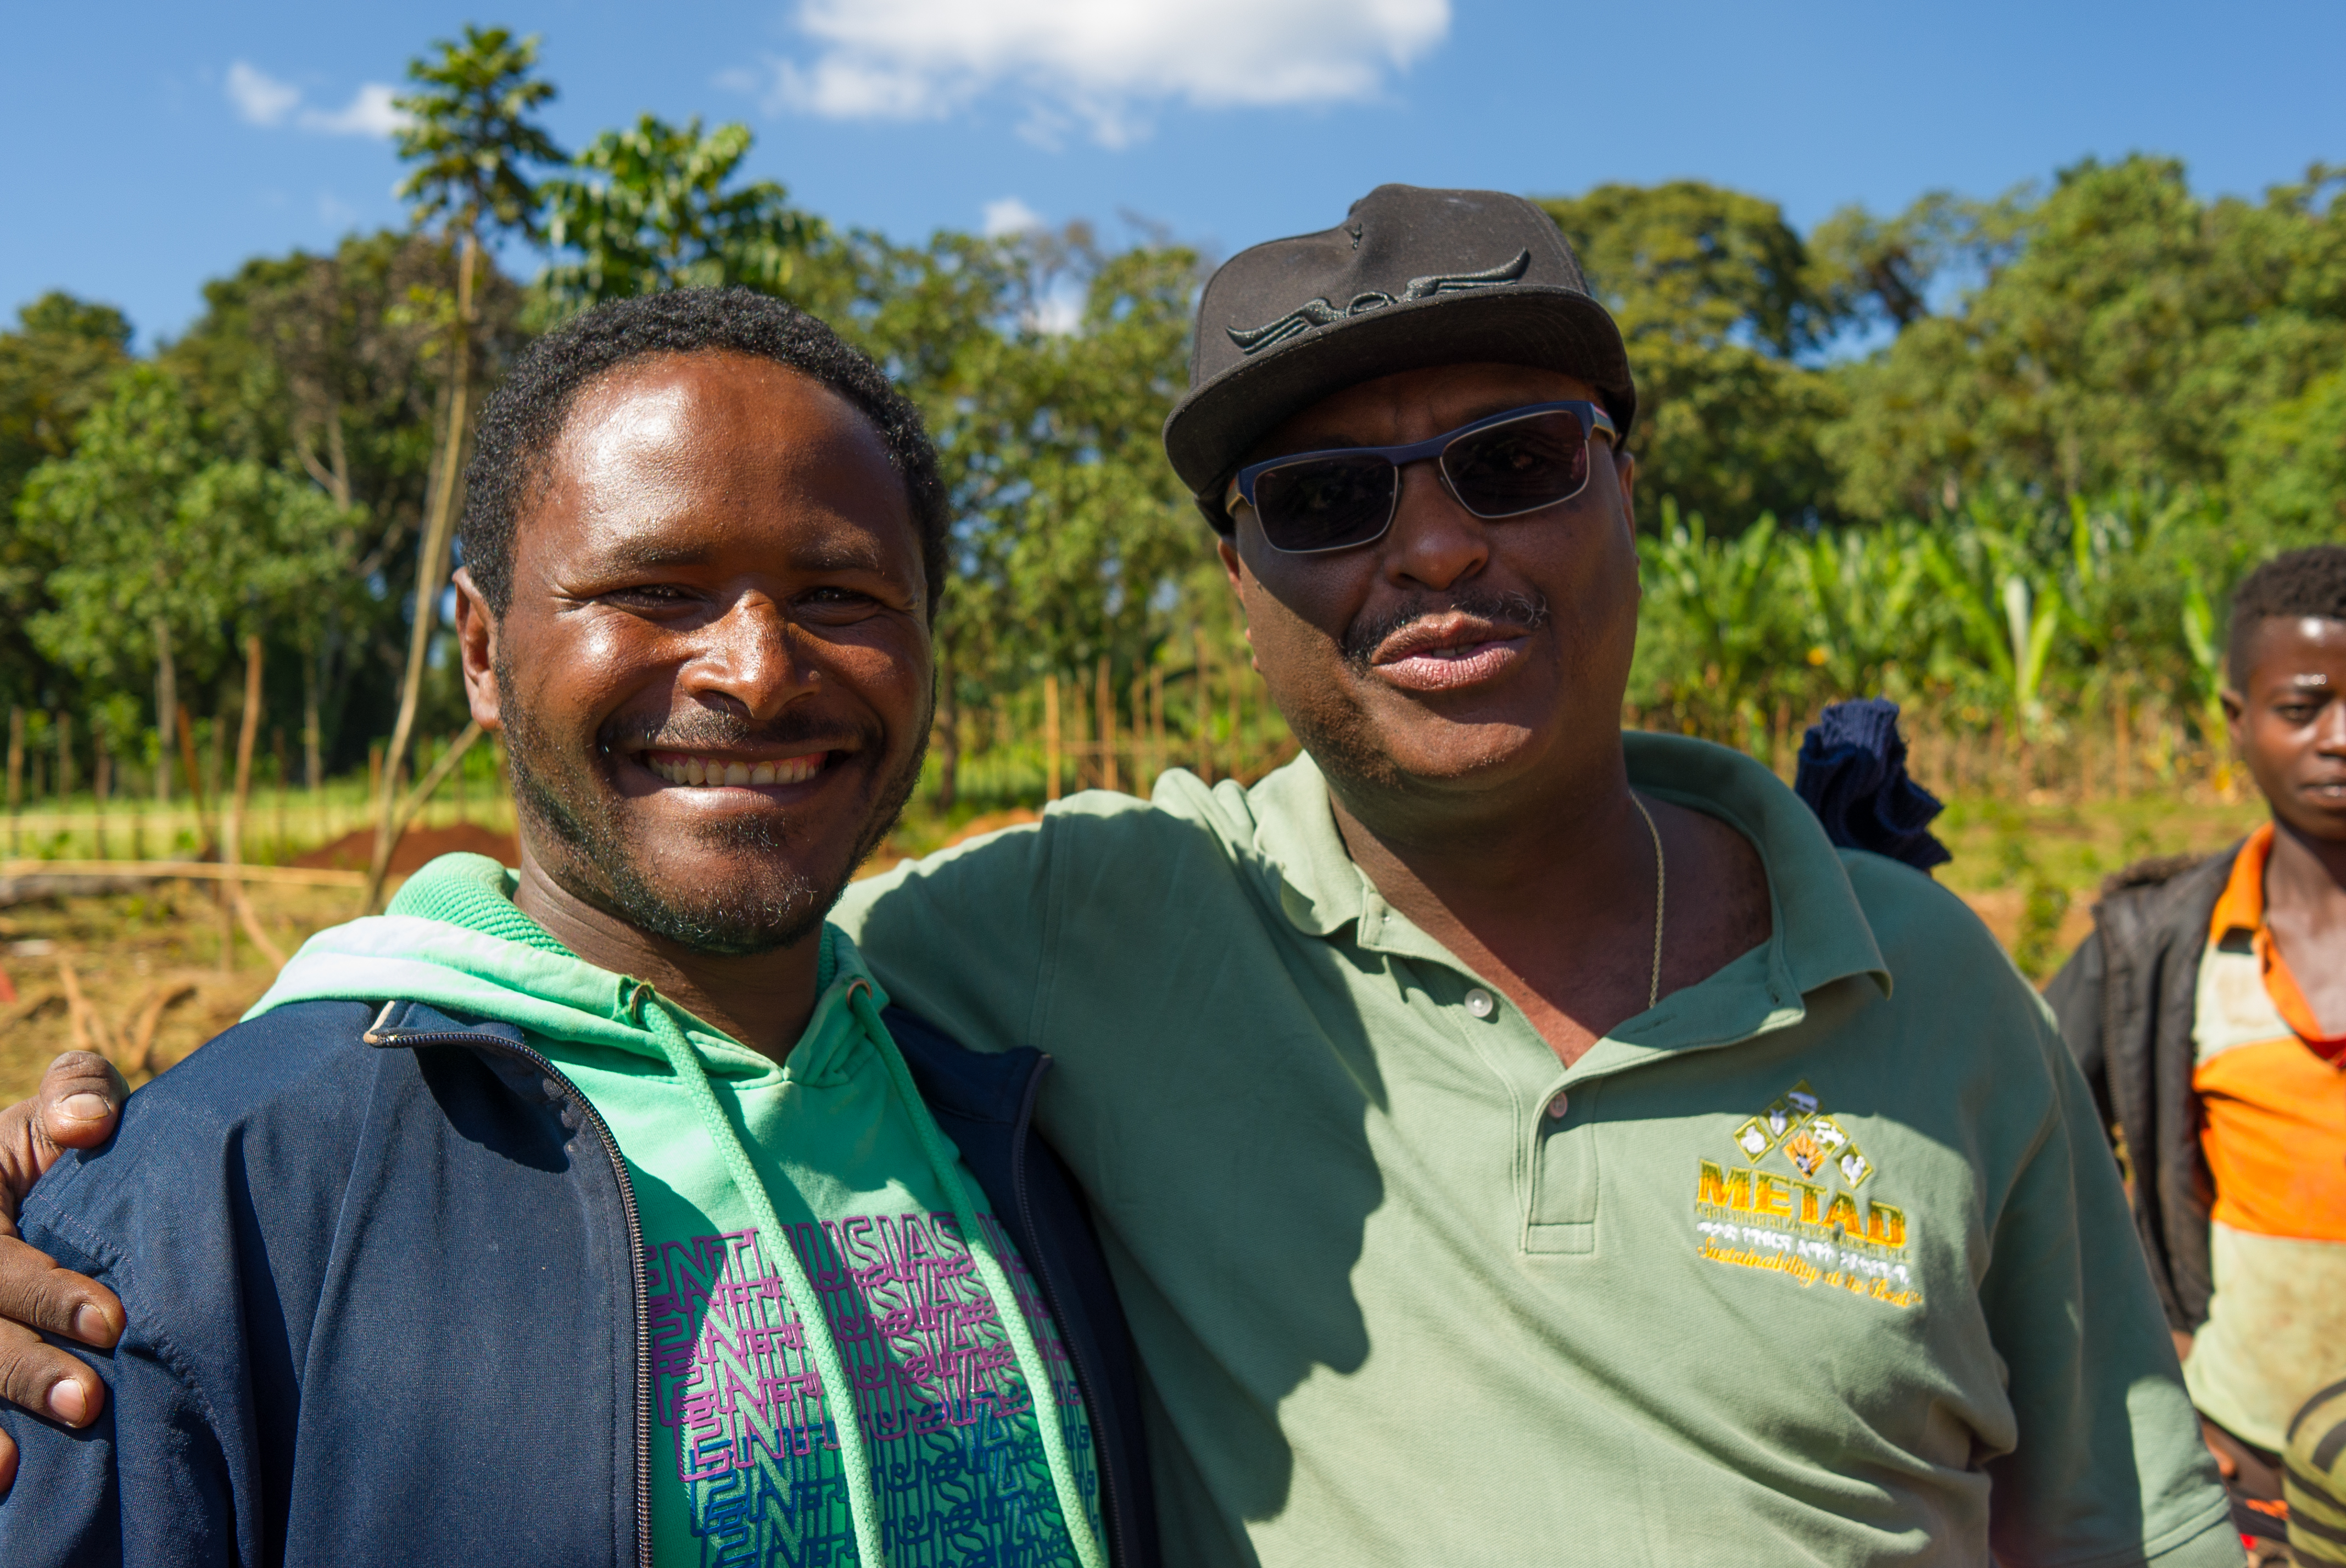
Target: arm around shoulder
x,y
149,1480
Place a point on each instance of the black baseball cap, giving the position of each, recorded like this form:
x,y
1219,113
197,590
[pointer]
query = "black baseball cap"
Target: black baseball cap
x,y
1411,278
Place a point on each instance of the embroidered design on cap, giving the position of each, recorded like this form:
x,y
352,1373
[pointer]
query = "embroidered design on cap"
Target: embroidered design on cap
x,y
1321,312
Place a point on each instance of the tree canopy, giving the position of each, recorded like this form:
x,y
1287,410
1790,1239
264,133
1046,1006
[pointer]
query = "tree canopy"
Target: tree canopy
x,y
1982,450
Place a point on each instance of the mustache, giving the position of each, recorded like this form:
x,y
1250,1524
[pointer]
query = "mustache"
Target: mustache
x,y
714,728
1368,632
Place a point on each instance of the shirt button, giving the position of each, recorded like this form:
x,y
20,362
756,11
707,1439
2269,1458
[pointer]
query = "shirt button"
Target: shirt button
x,y
1559,1105
1481,1004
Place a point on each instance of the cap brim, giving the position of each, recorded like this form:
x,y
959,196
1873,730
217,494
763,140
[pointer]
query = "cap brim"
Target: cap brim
x,y
1548,328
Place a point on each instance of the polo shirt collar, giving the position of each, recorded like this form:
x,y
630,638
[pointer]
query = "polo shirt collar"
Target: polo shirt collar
x,y
1821,934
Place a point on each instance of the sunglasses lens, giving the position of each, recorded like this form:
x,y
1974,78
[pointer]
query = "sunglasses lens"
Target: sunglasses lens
x,y
1519,466
1325,502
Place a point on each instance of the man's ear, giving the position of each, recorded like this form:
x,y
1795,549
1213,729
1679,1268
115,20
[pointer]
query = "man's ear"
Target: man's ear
x,y
1228,550
476,644
1625,468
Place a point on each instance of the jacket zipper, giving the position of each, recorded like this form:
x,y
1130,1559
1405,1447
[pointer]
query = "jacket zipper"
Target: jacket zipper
x,y
635,1257
1093,1388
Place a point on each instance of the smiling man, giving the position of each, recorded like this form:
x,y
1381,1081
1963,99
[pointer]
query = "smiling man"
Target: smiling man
x,y
1513,1139
554,1217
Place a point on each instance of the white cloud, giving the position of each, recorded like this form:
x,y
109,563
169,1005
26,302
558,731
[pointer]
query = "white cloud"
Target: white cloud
x,y
262,99
1102,63
1060,311
369,113
1010,216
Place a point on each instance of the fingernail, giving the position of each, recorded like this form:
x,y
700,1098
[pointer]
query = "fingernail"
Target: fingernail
x,y
67,1403
91,1326
83,1107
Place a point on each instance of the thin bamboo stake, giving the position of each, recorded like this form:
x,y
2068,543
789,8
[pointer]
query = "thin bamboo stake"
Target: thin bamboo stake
x,y
233,839
195,781
1201,709
1157,716
2124,773
16,773
449,759
1104,701
1050,738
101,786
1237,744
431,574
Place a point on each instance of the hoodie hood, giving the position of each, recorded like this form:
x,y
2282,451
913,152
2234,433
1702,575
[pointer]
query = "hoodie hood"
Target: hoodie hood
x,y
454,939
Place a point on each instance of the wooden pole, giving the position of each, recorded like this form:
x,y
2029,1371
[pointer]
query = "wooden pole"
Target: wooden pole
x,y
167,703
195,782
277,745
1104,704
1050,738
101,785
233,839
1238,717
64,760
2124,772
1201,709
16,773
1156,719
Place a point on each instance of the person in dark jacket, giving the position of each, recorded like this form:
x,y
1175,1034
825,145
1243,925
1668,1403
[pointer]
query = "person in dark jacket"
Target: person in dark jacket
x,y
2208,1011
606,1212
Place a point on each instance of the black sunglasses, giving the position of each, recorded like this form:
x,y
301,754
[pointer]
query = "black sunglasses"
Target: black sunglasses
x,y
1522,460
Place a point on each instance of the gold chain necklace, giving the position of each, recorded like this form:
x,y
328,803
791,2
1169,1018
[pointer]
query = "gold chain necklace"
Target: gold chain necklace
x,y
1661,883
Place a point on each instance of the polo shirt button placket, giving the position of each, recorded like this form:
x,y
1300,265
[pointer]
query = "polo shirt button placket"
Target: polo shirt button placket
x,y
1560,1106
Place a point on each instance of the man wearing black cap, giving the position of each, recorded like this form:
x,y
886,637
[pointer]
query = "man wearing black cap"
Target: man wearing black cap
x,y
1510,1137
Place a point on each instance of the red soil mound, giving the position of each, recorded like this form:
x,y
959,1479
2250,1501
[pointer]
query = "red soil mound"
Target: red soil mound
x,y
353,851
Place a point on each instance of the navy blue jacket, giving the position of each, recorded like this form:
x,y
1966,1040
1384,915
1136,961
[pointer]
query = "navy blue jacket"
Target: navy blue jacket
x,y
383,1280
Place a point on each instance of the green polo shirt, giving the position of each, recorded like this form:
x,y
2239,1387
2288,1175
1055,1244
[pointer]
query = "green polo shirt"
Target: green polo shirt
x,y
1800,1266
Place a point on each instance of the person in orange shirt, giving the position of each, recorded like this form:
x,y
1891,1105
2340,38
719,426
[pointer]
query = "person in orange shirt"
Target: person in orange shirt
x,y
2208,1011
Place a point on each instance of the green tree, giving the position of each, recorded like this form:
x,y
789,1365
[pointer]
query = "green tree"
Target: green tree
x,y
166,553
1713,292
2125,335
650,210
2287,472
326,364
60,361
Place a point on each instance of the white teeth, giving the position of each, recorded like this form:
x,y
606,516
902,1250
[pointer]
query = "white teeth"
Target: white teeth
x,y
714,774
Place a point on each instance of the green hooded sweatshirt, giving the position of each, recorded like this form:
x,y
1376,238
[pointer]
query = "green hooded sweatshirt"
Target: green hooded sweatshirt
x,y
953,1458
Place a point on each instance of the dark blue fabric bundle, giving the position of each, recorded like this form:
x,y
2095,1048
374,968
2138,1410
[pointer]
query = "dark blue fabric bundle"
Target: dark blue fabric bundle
x,y
1853,777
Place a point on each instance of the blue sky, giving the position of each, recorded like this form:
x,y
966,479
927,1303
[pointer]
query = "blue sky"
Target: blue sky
x,y
154,146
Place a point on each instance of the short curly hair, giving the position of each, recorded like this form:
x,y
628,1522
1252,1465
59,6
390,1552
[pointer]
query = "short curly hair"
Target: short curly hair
x,y
523,417
2292,585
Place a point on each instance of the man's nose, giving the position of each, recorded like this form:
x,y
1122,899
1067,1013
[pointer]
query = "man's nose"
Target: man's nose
x,y
1434,541
752,658
2329,728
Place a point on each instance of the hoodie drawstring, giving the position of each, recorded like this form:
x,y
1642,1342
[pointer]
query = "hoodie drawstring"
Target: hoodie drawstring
x,y
944,1163
815,1327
